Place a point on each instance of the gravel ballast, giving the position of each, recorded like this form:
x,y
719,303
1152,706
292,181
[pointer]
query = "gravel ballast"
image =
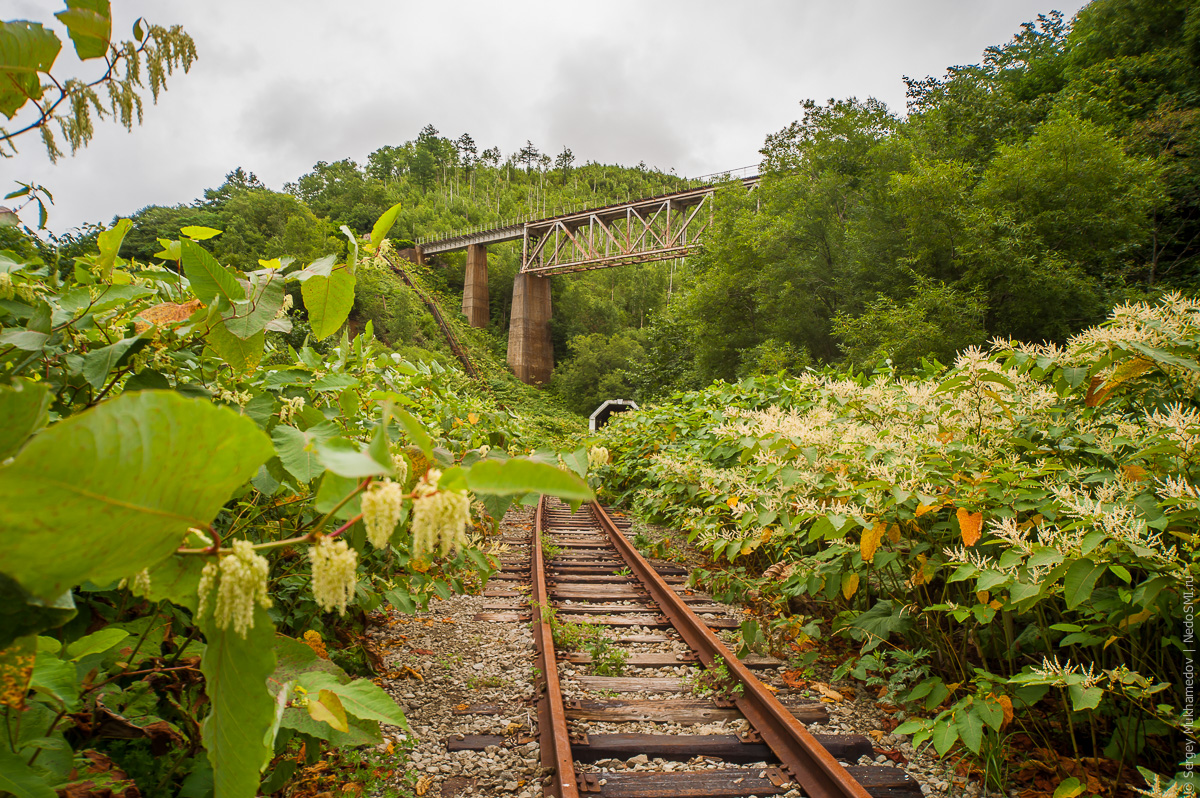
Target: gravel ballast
x,y
462,662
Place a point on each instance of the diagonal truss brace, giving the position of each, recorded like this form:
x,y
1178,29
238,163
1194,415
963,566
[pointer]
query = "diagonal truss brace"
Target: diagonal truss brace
x,y
644,231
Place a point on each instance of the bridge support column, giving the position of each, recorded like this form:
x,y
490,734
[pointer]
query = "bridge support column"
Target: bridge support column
x,y
530,351
475,286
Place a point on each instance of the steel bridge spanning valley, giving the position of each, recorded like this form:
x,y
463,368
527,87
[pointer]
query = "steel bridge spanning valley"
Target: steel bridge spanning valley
x,y
639,231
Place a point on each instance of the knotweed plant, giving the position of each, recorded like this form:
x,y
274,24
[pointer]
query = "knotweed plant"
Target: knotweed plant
x,y
1026,503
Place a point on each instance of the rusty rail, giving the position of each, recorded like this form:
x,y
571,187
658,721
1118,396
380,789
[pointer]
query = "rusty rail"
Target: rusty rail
x,y
803,758
555,745
436,312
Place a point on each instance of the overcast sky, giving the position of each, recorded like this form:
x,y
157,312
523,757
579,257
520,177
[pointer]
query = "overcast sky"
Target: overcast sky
x,y
695,86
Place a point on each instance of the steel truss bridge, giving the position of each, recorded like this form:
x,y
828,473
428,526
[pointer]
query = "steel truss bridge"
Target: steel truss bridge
x,y
641,231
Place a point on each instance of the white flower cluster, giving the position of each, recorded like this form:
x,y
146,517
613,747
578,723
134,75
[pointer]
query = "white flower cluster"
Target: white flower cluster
x,y
334,574
290,408
439,515
598,456
382,504
6,286
400,462
139,584
1053,670
239,398
240,582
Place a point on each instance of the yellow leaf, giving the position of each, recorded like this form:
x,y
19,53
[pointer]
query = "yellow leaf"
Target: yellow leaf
x,y
472,418
1111,640
828,692
983,596
408,671
970,524
849,585
166,313
870,541
994,604
1097,395
1135,473
766,535
419,564
893,533
16,670
926,508
328,709
423,784
732,501
1136,618
1006,705
918,577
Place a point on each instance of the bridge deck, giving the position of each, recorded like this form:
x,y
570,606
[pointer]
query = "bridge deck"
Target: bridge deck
x,y
677,201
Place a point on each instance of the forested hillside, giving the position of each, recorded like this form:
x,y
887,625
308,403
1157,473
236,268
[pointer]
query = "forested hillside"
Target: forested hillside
x,y
930,395
1019,197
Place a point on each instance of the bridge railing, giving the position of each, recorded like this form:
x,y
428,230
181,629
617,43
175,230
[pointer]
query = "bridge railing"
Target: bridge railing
x,y
514,221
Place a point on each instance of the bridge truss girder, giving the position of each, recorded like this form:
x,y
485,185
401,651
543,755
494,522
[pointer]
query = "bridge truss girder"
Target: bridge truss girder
x,y
645,231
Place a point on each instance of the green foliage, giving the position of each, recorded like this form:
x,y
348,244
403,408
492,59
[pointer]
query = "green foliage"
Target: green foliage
x,y
717,682
1026,519
28,53
937,322
183,487
600,368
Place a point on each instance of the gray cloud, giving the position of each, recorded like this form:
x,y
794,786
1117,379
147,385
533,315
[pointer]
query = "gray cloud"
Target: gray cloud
x,y
695,86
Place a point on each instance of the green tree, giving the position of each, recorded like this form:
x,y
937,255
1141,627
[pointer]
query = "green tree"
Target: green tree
x,y
936,322
600,367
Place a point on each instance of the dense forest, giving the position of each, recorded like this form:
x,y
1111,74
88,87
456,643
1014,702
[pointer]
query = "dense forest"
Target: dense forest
x,y
1020,197
929,395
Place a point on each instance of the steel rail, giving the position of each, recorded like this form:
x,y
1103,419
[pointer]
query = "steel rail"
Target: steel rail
x,y
803,758
555,741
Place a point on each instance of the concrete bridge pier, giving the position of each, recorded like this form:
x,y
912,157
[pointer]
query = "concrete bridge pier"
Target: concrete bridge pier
x,y
530,351
475,286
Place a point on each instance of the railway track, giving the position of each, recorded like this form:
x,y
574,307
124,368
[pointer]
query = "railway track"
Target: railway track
x,y
577,572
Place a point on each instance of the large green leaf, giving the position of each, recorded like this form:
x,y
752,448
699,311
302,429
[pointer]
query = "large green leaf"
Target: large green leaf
x,y
360,697
96,642
328,301
113,490
242,355
384,225
24,406
350,459
209,279
23,614
99,363
26,48
333,489
242,711
251,317
89,24
109,243
1080,579
20,779
176,579
415,429
520,475
55,678
297,450
1085,697
970,728
945,733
